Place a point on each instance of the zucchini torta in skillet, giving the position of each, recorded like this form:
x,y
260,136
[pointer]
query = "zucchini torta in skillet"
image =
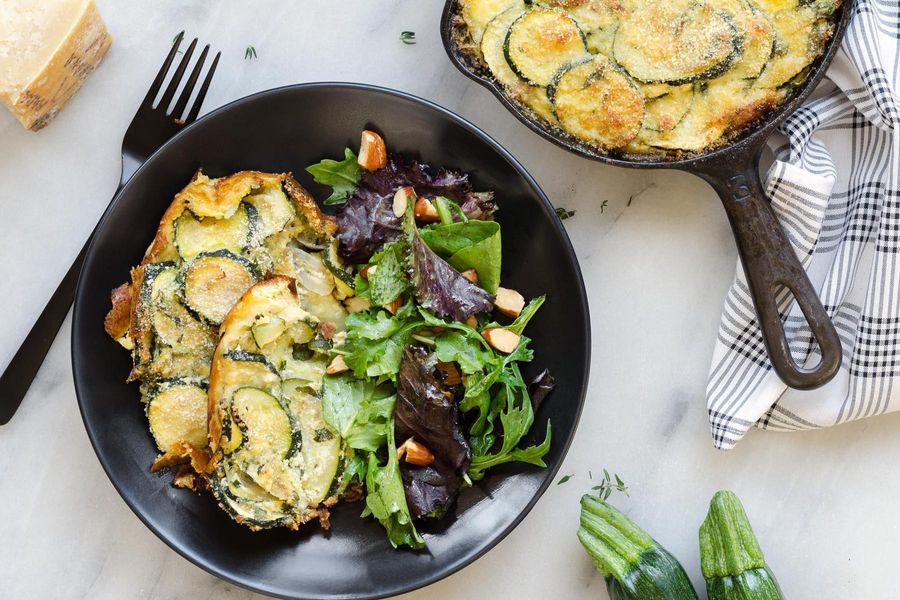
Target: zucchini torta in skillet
x,y
216,241
663,77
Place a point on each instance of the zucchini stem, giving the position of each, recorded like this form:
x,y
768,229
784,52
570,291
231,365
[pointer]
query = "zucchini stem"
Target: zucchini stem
x,y
728,546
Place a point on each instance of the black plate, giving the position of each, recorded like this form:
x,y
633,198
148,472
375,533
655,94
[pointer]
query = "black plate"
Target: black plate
x,y
284,130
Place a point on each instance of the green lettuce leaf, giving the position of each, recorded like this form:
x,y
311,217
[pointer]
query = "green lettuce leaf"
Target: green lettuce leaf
x,y
469,245
386,499
358,410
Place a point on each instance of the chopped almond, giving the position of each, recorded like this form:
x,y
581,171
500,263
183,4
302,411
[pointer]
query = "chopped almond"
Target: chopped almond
x,y
367,270
372,151
402,198
337,365
450,374
326,329
415,453
471,275
472,322
500,339
356,304
425,211
509,302
393,306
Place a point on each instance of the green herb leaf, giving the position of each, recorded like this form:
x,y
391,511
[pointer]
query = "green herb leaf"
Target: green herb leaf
x,y
564,214
389,280
564,479
343,176
386,499
609,485
249,53
408,37
469,245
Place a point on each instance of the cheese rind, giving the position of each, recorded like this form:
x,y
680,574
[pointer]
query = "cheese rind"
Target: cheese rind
x,y
36,93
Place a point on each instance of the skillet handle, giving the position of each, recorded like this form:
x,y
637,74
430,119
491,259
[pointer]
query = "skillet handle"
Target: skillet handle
x,y
770,261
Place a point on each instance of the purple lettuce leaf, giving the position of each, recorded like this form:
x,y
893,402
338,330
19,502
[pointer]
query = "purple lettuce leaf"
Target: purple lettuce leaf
x,y
425,412
366,221
540,387
442,289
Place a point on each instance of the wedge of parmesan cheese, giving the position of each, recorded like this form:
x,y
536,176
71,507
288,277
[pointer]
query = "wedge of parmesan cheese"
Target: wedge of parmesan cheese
x,y
47,49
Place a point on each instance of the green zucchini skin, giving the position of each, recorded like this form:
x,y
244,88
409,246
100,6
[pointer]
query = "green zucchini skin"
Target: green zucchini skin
x,y
730,556
636,567
753,584
540,74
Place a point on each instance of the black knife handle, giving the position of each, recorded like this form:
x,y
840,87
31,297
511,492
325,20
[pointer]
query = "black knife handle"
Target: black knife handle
x,y
17,378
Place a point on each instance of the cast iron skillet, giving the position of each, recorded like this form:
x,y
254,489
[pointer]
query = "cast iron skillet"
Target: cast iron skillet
x,y
733,171
287,129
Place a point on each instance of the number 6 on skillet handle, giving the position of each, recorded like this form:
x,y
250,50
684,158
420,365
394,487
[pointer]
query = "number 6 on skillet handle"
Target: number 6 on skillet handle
x,y
770,262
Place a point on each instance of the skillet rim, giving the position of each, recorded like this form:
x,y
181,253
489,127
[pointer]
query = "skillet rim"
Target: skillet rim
x,y
548,212
750,141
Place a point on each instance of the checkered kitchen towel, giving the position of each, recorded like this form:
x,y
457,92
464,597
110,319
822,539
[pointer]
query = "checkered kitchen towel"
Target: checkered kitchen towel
x,y
835,186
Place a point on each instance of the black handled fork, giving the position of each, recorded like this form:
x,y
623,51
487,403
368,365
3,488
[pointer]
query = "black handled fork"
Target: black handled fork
x,y
151,127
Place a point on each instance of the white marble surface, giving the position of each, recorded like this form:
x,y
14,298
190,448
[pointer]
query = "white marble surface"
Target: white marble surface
x,y
657,267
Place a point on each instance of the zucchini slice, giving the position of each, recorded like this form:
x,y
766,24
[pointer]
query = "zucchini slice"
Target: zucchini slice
x,y
758,37
321,450
666,111
195,236
177,413
213,282
267,331
676,41
246,501
492,43
800,38
173,325
344,279
263,422
596,102
541,41
479,13
274,210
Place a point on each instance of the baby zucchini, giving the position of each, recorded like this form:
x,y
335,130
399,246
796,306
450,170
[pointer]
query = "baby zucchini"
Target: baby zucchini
x,y
730,557
541,41
596,102
636,567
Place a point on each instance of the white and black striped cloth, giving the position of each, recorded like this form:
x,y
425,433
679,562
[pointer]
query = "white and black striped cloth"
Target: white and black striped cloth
x,y
835,185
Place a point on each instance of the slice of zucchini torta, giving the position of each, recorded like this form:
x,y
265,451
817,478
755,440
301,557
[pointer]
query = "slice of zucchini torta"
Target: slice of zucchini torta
x,y
217,239
275,461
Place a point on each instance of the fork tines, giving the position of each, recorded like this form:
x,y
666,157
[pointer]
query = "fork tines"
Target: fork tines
x,y
165,101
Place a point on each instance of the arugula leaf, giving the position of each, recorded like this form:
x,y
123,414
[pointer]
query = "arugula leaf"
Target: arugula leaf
x,y
516,417
518,326
386,499
389,280
460,347
469,245
358,410
375,341
343,176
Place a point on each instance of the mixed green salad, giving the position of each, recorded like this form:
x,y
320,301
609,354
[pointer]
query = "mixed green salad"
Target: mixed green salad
x,y
425,383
